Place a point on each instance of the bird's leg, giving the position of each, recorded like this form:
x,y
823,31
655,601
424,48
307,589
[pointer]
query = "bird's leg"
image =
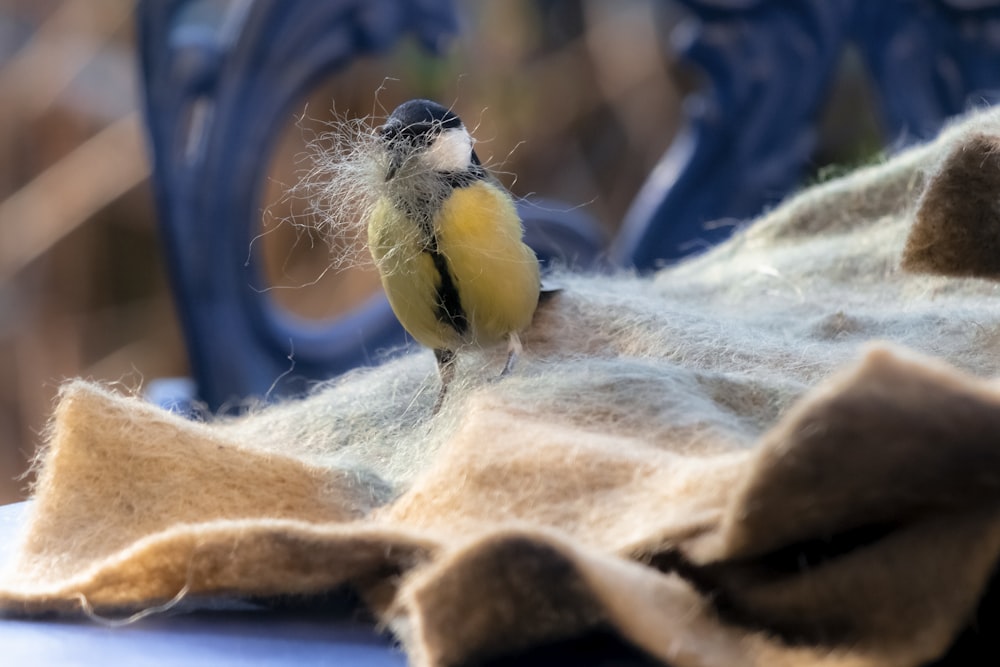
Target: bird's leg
x,y
446,369
514,348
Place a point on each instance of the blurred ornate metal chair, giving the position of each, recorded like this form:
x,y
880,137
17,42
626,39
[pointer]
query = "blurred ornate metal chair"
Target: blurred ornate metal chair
x,y
221,76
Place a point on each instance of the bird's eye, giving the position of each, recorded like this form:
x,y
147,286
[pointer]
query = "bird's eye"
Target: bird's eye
x,y
387,132
418,134
415,135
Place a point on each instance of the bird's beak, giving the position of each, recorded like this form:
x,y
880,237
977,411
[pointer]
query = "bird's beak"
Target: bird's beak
x,y
387,134
395,162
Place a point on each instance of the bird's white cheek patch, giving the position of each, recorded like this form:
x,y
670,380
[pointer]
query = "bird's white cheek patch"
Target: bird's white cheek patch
x,y
451,151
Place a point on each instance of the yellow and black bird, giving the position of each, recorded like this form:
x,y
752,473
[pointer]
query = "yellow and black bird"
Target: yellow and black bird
x,y
447,240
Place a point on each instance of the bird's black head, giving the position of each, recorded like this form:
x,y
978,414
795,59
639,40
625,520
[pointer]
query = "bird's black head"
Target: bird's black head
x,y
431,134
417,122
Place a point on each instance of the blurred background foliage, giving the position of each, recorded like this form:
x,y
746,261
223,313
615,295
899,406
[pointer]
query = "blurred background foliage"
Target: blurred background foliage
x,y
574,100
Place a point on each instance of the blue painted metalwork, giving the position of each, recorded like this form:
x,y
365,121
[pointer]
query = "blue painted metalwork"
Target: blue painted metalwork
x,y
767,65
930,60
561,236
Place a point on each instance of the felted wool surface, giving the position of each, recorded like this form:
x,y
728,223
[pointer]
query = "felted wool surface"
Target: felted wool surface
x,y
783,452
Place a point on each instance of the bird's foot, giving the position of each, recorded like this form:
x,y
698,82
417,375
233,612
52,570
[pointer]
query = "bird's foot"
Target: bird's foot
x,y
446,369
514,349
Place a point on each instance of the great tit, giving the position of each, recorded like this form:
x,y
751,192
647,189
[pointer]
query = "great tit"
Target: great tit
x,y
447,240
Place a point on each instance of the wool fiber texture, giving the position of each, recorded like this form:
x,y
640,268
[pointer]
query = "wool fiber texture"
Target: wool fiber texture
x,y
785,451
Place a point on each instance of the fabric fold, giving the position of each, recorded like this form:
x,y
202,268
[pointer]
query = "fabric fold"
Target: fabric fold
x,y
784,451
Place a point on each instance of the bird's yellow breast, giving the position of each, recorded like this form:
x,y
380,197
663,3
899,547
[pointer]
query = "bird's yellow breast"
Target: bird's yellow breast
x,y
496,275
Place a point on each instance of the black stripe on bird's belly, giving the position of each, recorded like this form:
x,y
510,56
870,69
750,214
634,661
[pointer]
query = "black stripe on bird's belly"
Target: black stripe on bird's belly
x,y
448,306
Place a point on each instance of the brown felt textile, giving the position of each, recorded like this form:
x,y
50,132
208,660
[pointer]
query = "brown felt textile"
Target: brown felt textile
x,y
957,228
783,452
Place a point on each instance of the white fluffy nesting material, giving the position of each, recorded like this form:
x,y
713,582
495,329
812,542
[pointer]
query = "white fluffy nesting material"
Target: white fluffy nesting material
x,y
782,452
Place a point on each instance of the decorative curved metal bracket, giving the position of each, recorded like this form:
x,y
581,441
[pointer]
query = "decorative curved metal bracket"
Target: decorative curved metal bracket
x,y
768,65
930,60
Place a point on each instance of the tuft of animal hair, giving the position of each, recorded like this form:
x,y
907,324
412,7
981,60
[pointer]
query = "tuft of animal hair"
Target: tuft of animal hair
x,y
343,183
108,622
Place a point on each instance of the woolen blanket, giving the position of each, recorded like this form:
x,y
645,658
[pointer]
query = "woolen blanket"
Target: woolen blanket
x,y
785,451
